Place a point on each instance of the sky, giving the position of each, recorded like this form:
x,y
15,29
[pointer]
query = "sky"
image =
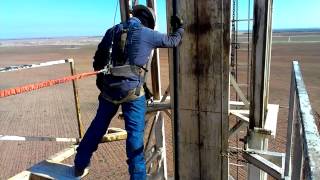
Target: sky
x,y
59,18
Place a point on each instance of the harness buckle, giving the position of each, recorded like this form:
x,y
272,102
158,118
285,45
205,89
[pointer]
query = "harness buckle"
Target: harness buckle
x,y
107,69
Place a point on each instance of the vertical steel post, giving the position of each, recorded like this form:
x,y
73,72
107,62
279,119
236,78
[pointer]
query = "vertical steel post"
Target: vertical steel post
x,y
261,58
261,48
175,101
159,131
124,9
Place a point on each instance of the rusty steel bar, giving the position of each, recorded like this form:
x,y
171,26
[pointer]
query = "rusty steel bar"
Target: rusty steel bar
x,y
76,99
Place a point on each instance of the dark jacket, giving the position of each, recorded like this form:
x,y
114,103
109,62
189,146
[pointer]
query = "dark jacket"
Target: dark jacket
x,y
140,42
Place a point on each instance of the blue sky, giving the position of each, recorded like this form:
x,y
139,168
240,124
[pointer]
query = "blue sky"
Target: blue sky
x,y
52,18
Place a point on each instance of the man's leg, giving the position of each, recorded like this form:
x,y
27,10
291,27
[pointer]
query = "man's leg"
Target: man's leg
x,y
95,132
134,114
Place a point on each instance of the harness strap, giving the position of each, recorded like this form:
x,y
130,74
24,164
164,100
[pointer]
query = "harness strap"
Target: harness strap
x,y
123,39
125,70
131,96
144,79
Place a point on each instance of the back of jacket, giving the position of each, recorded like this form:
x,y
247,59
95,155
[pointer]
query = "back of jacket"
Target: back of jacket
x,y
139,44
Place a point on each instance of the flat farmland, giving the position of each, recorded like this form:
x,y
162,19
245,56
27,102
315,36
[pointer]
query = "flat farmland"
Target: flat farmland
x,y
51,112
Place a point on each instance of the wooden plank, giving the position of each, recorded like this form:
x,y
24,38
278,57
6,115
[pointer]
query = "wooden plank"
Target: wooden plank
x,y
116,134
211,156
24,175
203,89
189,151
64,154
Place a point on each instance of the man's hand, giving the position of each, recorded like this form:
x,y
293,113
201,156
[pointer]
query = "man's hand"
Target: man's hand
x,y
176,22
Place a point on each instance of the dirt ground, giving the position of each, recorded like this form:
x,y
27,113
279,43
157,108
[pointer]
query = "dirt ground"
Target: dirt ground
x,y
51,112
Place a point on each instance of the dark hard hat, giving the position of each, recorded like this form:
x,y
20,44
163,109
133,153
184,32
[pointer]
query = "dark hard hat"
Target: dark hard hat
x,y
145,13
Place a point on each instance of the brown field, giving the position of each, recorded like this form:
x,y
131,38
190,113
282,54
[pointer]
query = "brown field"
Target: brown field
x,y
51,112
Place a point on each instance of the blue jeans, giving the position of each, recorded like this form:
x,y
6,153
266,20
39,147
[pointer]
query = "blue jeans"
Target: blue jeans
x,y
134,113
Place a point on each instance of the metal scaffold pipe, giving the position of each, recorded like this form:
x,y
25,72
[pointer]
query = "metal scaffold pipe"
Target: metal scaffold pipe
x,y
175,100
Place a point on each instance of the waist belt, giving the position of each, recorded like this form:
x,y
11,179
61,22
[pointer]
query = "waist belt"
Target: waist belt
x,y
124,71
132,95
127,71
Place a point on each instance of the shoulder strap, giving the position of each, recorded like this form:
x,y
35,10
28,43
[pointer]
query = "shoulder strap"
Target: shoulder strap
x,y
144,78
123,39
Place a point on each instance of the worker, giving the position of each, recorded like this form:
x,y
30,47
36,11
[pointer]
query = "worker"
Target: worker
x,y
124,53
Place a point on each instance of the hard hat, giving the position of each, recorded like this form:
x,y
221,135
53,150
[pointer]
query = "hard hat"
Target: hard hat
x,y
143,12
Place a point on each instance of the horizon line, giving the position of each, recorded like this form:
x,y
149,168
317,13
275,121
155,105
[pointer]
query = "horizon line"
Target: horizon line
x,y
317,29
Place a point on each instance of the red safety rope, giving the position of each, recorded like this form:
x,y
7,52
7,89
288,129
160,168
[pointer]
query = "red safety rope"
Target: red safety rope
x,y
35,86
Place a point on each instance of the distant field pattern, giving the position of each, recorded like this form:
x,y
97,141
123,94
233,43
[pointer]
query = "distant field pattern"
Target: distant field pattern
x,y
287,38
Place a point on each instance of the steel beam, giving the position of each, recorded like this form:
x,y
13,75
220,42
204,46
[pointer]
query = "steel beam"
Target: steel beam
x,y
264,164
261,48
261,54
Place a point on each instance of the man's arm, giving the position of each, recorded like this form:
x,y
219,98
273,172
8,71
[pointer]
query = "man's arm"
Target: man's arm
x,y
102,54
172,40
160,40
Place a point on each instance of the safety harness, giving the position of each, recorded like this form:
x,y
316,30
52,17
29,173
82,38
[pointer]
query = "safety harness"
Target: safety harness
x,y
124,69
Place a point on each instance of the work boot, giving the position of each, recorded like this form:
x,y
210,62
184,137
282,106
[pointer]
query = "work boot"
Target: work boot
x,y
78,172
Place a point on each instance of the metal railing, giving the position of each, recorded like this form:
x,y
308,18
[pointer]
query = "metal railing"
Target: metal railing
x,y
303,140
75,92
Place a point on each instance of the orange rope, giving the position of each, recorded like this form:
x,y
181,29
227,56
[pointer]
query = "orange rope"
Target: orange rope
x,y
31,87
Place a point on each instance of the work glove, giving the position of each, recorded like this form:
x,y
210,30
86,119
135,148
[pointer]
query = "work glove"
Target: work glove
x,y
176,22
